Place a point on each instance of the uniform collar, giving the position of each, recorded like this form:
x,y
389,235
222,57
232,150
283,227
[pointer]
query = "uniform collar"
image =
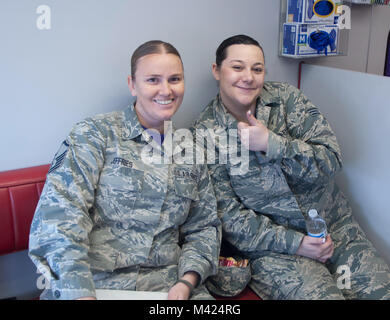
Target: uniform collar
x,y
132,127
224,118
268,97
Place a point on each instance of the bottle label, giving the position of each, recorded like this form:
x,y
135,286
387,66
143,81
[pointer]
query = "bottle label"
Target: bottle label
x,y
317,235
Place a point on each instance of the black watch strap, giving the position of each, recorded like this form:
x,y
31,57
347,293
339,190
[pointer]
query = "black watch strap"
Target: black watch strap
x,y
187,283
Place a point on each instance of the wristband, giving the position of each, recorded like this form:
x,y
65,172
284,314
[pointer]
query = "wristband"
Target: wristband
x,y
187,283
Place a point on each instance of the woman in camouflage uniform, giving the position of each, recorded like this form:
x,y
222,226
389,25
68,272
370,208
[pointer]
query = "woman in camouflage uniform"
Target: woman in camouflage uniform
x,y
293,158
108,219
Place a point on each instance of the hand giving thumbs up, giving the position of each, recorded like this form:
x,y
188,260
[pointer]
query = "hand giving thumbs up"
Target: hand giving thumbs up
x,y
254,136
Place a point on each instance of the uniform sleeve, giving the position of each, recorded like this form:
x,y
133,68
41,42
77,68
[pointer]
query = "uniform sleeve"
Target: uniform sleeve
x,y
311,154
59,233
244,229
201,233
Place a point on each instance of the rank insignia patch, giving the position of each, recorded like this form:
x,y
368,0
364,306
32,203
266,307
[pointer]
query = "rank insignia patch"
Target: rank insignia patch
x,y
60,156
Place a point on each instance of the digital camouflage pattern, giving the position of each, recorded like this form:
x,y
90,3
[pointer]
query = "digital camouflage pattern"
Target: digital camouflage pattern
x,y
263,210
229,281
108,219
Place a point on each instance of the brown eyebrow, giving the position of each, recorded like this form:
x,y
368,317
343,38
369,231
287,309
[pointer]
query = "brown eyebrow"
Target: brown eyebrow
x,y
159,75
237,61
257,63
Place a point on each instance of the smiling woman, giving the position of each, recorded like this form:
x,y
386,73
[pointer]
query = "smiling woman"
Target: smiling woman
x,y
158,85
107,219
240,72
293,158
157,80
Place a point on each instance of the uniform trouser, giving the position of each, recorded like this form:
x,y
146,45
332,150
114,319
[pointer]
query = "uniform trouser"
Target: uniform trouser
x,y
148,279
281,276
153,280
158,279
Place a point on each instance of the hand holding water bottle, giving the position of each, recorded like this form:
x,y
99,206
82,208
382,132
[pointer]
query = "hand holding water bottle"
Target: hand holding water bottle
x,y
317,245
316,249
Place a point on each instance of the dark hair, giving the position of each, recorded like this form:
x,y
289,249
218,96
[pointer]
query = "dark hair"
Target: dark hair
x,y
238,39
151,47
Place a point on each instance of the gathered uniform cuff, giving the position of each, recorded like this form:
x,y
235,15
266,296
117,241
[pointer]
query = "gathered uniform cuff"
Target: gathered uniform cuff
x,y
294,238
183,269
66,290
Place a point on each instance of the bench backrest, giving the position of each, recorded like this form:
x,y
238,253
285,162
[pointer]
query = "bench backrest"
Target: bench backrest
x,y
19,194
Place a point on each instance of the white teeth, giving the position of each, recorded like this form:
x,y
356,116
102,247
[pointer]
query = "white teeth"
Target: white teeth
x,y
163,101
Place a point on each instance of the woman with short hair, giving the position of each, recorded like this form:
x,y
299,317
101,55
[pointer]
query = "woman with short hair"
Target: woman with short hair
x,y
293,158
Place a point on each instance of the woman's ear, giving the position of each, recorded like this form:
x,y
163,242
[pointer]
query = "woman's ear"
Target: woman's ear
x,y
215,70
131,85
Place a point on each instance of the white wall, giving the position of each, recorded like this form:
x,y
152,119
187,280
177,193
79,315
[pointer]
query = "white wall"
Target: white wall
x,y
50,79
357,106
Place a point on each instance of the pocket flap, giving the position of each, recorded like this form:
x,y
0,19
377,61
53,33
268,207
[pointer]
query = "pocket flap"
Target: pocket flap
x,y
186,188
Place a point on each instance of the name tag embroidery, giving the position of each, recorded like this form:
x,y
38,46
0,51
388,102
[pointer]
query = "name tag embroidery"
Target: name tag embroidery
x,y
181,173
122,162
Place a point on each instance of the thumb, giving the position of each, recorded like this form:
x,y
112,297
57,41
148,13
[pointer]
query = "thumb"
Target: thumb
x,y
251,119
242,125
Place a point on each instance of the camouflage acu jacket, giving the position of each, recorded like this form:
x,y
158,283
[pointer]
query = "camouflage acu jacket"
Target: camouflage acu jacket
x,y
103,208
263,209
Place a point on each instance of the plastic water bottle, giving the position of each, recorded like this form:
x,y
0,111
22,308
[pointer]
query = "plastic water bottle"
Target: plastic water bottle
x,y
315,225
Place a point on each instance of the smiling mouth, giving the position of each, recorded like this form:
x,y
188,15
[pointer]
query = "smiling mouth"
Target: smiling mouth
x,y
164,102
244,88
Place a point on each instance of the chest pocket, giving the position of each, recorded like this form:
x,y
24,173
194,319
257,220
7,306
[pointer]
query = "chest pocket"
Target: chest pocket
x,y
119,188
185,184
